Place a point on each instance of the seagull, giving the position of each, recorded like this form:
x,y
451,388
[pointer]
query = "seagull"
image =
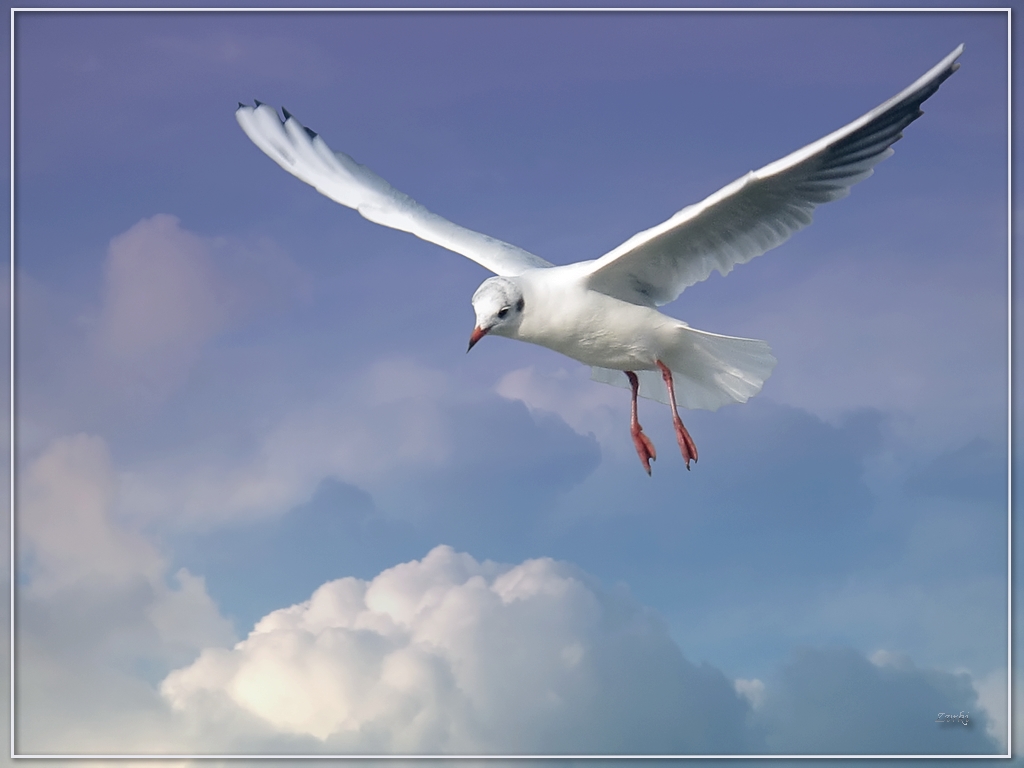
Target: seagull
x,y
603,312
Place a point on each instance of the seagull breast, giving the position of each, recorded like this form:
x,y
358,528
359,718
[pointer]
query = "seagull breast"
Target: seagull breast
x,y
593,328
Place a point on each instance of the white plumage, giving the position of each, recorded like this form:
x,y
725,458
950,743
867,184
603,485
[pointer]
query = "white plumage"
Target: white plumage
x,y
603,312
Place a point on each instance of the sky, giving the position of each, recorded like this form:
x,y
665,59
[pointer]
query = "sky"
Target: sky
x,y
266,503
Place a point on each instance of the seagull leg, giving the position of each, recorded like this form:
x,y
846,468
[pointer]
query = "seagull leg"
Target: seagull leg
x,y
644,447
686,445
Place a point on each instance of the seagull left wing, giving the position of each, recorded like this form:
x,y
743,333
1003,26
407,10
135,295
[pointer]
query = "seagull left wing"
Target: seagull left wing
x,y
303,153
761,210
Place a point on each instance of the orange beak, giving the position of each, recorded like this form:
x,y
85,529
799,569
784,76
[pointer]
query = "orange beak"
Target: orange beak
x,y
478,333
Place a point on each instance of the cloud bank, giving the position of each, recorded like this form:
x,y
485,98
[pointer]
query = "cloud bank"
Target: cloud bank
x,y
446,654
97,614
451,655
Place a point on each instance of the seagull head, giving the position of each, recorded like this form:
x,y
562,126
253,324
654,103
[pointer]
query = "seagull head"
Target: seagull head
x,y
498,304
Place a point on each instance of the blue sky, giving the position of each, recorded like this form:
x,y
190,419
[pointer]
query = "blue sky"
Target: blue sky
x,y
232,393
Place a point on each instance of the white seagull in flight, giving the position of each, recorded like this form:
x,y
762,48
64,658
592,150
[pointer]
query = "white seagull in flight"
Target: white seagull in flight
x,y
603,312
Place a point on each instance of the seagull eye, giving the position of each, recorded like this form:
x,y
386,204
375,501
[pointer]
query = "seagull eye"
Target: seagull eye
x,y
503,311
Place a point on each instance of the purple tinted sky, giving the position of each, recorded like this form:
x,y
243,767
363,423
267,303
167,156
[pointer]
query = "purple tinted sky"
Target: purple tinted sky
x,y
859,501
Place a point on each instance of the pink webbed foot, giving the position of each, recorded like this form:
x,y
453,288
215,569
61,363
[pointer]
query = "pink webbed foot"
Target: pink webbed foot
x,y
686,444
642,443
644,448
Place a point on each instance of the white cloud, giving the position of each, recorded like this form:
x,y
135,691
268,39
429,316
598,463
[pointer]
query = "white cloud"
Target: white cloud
x,y
160,302
585,405
187,617
96,612
992,701
168,291
392,429
893,659
450,654
73,542
362,428
168,297
836,701
932,347
443,655
752,690
64,519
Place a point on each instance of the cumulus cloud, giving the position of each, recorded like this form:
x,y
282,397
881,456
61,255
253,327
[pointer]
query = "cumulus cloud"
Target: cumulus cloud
x,y
836,701
448,654
992,690
571,394
64,519
883,335
72,540
96,613
102,613
170,302
357,429
159,300
752,690
168,291
414,438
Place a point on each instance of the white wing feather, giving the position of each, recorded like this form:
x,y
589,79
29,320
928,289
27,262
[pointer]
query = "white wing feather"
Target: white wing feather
x,y
304,154
761,210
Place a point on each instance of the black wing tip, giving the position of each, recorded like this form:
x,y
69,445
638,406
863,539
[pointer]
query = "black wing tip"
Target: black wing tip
x,y
289,116
242,106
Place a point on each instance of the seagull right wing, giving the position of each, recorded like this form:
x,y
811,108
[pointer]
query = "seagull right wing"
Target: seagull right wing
x,y
762,209
304,154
